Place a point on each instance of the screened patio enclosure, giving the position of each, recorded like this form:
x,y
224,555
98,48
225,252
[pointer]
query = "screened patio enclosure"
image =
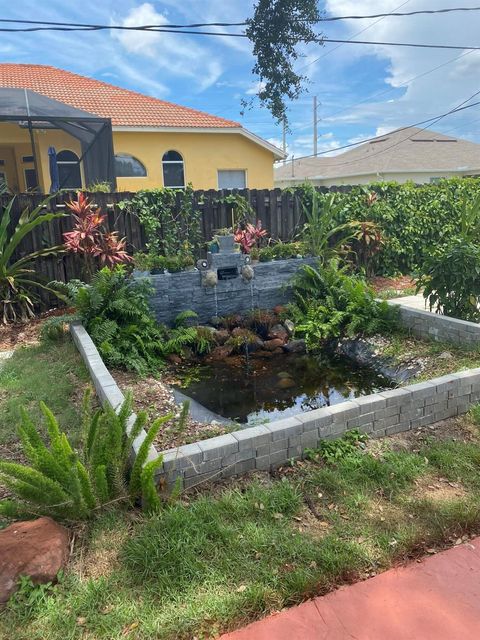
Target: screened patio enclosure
x,y
31,124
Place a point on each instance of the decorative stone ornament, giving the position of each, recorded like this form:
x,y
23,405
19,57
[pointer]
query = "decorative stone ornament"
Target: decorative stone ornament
x,y
247,273
209,278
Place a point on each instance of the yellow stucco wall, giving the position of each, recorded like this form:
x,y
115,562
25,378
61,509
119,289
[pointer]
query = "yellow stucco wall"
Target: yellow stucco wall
x,y
203,153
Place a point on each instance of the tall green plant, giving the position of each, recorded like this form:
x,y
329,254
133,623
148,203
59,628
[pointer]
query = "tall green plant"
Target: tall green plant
x,y
71,485
18,279
322,236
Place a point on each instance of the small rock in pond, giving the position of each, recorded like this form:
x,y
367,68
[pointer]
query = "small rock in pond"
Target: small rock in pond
x,y
285,383
295,346
284,374
36,548
221,336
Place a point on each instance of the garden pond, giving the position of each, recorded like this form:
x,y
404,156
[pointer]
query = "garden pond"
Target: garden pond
x,y
254,391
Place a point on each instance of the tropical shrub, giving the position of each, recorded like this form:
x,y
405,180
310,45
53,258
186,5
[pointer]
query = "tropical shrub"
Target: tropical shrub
x,y
322,236
90,240
451,282
332,304
18,279
71,485
416,220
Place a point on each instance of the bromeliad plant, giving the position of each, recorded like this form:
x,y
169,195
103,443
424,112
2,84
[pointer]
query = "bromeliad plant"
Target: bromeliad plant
x,y
90,240
71,485
250,236
18,279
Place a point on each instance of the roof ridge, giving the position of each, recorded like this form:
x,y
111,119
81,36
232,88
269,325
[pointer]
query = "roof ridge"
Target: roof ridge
x,y
132,92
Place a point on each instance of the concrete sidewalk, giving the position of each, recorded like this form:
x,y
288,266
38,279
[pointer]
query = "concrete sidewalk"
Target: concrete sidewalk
x,y
436,599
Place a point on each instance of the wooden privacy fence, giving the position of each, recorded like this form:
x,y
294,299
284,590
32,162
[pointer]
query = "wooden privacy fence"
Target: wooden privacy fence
x,y
280,213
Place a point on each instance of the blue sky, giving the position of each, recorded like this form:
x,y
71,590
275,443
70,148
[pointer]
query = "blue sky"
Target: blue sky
x,y
362,90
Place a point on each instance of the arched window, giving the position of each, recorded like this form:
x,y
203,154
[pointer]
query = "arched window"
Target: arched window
x,y
69,174
173,171
126,166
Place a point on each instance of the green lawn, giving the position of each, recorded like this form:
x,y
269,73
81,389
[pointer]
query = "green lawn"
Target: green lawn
x,y
218,560
52,372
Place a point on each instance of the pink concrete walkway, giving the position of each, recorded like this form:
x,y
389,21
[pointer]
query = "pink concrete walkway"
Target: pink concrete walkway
x,y
437,599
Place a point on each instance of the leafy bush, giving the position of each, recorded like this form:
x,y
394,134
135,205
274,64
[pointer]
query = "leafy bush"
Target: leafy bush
x,y
451,283
65,484
417,220
114,309
170,220
330,303
17,277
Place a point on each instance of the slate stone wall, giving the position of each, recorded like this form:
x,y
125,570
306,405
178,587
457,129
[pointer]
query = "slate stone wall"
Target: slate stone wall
x,y
176,292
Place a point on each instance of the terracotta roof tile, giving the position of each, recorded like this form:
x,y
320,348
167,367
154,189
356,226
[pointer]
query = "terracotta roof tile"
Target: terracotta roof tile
x,y
124,107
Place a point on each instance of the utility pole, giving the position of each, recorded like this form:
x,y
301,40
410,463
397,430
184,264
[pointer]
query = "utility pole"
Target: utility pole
x,y
284,143
315,124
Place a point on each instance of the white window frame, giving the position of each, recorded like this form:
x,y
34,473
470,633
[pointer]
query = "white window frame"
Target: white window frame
x,y
245,171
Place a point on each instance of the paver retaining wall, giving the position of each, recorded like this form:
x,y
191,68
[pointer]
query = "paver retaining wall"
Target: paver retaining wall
x,y
268,446
433,326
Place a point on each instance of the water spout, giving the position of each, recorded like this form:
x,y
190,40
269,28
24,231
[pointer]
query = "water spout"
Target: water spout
x,y
252,295
215,297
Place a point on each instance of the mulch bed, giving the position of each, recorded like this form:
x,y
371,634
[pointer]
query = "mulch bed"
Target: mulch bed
x,y
21,334
399,283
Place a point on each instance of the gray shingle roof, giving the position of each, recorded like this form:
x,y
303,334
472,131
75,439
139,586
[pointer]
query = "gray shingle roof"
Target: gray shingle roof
x,y
402,151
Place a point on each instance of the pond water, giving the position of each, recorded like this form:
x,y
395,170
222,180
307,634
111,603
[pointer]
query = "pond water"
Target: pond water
x,y
260,391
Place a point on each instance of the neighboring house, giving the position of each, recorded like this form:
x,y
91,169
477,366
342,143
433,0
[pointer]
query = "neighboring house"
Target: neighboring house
x,y
405,155
156,143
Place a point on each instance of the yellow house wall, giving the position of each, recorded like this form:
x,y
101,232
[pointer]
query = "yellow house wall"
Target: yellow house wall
x,y
203,154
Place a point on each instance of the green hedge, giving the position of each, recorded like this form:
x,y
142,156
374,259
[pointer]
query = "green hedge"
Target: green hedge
x,y
416,220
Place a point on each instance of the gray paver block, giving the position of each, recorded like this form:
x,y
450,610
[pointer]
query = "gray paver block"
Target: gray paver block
x,y
282,429
218,447
252,437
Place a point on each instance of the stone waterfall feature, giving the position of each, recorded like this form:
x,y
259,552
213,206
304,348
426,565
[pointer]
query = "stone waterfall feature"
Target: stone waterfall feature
x,y
224,283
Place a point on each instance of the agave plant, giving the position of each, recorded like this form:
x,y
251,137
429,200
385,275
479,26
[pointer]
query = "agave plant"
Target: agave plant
x,y
17,277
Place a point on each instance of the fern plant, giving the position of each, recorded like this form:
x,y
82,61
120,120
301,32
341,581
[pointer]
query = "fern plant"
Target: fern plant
x,y
332,304
71,485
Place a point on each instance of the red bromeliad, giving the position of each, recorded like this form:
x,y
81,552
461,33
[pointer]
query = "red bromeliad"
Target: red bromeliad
x,y
250,236
89,239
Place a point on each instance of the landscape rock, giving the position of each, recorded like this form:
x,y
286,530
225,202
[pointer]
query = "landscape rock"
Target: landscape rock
x,y
289,326
36,548
295,346
445,355
262,354
271,345
220,353
280,308
221,336
278,332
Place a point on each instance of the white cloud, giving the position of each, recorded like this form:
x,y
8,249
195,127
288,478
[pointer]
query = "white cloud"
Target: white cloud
x,y
255,89
173,54
431,94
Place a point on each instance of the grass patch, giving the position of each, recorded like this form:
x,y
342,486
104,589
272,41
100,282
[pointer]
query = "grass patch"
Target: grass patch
x,y
211,563
52,372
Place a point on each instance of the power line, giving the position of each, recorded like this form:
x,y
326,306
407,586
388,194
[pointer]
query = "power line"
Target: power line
x,y
403,14
406,44
393,13
353,36
416,124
